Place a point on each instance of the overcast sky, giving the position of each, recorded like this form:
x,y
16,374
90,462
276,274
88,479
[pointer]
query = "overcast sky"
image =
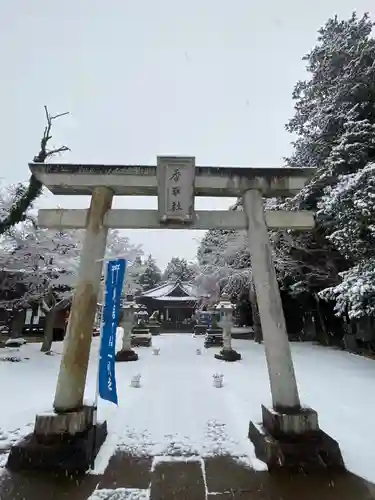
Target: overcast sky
x,y
207,78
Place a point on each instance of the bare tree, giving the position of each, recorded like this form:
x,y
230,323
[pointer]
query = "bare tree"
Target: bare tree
x,y
44,153
26,195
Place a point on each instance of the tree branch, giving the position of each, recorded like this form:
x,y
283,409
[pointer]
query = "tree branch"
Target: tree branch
x,y
25,196
44,153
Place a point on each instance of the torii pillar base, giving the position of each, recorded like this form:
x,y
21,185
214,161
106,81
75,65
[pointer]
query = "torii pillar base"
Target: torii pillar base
x,y
62,443
293,440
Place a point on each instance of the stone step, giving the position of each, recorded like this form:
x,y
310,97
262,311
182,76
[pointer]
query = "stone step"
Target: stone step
x,y
229,479
184,478
226,475
33,485
178,480
126,471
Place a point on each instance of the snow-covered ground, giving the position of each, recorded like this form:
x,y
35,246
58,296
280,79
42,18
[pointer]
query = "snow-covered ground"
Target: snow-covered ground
x,y
177,411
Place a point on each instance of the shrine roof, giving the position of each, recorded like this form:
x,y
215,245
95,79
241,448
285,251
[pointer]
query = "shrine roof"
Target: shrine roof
x,y
178,290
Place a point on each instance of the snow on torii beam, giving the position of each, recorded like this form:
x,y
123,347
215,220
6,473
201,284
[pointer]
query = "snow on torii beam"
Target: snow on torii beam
x,y
141,180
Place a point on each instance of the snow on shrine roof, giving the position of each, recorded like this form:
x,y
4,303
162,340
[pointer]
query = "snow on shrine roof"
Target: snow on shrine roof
x,y
159,291
165,291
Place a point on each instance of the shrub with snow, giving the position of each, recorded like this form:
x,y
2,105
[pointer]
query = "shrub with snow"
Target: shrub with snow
x,y
17,342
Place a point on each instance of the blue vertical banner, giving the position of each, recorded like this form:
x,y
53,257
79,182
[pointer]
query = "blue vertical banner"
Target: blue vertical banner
x,y
114,282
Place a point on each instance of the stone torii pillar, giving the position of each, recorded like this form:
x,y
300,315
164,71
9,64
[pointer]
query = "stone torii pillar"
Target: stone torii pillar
x,y
279,358
70,439
289,435
74,363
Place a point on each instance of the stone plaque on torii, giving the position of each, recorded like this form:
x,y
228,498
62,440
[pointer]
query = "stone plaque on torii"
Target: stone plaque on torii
x,y
176,181
175,177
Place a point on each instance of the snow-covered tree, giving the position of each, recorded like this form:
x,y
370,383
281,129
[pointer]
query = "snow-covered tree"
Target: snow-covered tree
x,y
334,122
350,208
224,262
341,89
42,257
42,266
45,263
355,295
225,267
134,272
179,269
349,211
119,245
151,275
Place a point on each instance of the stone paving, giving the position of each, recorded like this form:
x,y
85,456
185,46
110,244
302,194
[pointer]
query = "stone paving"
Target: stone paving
x,y
184,478
187,477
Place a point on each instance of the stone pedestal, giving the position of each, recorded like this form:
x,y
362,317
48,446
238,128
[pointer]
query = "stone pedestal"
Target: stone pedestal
x,y
128,355
154,327
62,443
200,329
214,337
293,440
126,352
228,355
141,337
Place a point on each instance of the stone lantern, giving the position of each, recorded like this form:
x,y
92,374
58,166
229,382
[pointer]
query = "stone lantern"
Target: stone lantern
x,y
142,316
126,322
154,323
141,335
214,333
225,311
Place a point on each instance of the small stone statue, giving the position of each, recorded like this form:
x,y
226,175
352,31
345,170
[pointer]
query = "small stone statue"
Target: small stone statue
x,y
136,381
218,380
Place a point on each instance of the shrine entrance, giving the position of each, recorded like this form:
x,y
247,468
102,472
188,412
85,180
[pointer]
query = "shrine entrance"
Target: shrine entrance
x,y
176,181
175,303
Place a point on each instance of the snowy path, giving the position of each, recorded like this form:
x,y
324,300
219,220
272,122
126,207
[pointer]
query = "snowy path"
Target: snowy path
x,y
177,411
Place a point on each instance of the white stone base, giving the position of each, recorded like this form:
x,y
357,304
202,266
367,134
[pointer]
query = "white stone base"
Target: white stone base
x,y
301,421
71,423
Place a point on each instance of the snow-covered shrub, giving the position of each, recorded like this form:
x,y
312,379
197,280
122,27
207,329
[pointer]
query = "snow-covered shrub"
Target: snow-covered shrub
x,y
16,342
348,212
355,295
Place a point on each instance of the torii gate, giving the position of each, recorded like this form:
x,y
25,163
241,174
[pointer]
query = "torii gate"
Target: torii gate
x,y
176,181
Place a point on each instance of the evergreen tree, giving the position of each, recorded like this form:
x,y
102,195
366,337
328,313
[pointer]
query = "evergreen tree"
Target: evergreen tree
x,y
334,123
134,272
151,275
351,207
341,90
179,269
